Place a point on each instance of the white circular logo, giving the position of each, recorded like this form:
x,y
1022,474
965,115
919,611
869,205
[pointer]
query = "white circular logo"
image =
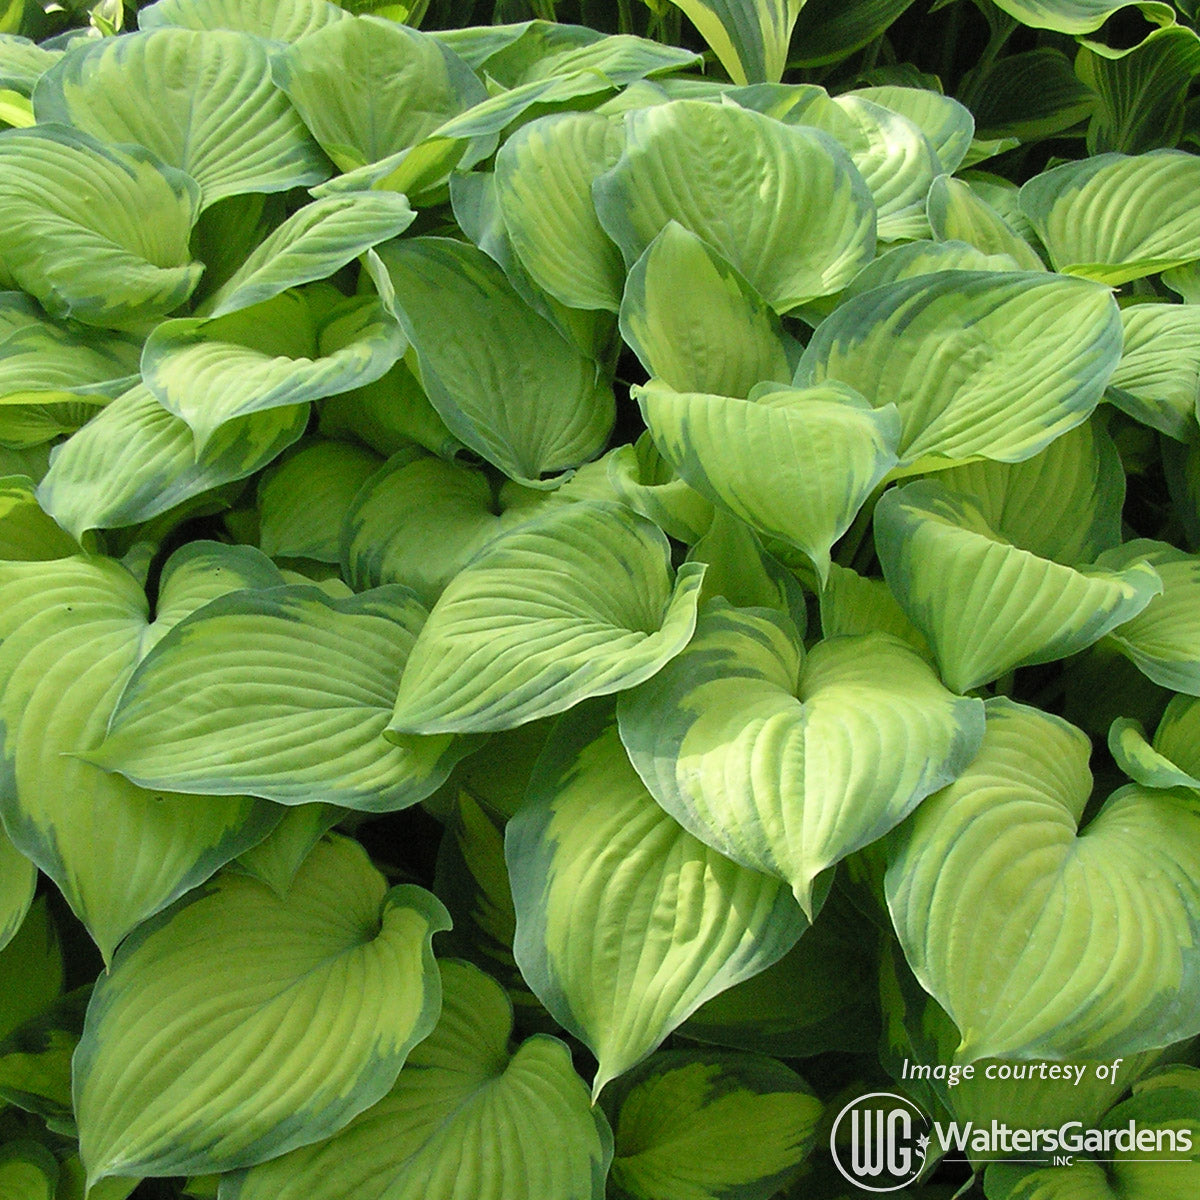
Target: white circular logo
x,y
884,1141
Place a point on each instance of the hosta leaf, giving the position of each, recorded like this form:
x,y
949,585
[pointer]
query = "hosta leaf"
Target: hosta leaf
x,y
136,460
23,62
278,20
203,1053
1039,940
303,502
94,232
892,153
277,858
35,1060
1029,96
28,1171
1176,736
501,377
825,446
544,175
1117,217
73,631
663,922
1163,640
1079,16
855,604
644,481
708,1125
829,30
1172,759
466,1120
419,520
201,100
947,124
282,694
42,360
277,354
985,605
918,258
31,970
370,87
818,231
747,741
1064,503
26,533
1157,380
577,603
18,878
312,244
956,213
696,324
1141,90
1165,1105
750,39
985,363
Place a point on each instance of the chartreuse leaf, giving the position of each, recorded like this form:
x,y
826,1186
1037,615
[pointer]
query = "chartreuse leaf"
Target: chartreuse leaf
x,y
1039,940
18,878
704,165
696,324
73,632
28,1171
1117,217
1141,89
709,1125
26,533
986,605
303,502
370,88
947,124
466,1118
746,741
1079,16
202,101
312,244
956,213
275,355
23,62
1164,1111
500,375
1064,503
1163,640
98,233
279,20
282,694
1173,758
35,1061
644,481
578,602
1157,380
136,460
626,923
544,175
202,1053
42,361
979,363
277,858
923,258
892,153
750,39
419,520
855,604
795,463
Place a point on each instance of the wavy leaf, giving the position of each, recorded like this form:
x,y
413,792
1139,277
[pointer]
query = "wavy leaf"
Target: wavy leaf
x,y
754,746
201,100
956,213
282,694
979,363
1079,16
750,39
947,124
577,603
1038,939
277,20
466,1118
819,230
202,1053
625,922
985,605
1157,380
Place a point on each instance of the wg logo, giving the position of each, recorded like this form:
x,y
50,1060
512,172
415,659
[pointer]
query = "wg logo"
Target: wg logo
x,y
879,1142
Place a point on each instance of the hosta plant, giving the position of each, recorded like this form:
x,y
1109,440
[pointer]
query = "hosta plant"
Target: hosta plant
x,y
581,587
